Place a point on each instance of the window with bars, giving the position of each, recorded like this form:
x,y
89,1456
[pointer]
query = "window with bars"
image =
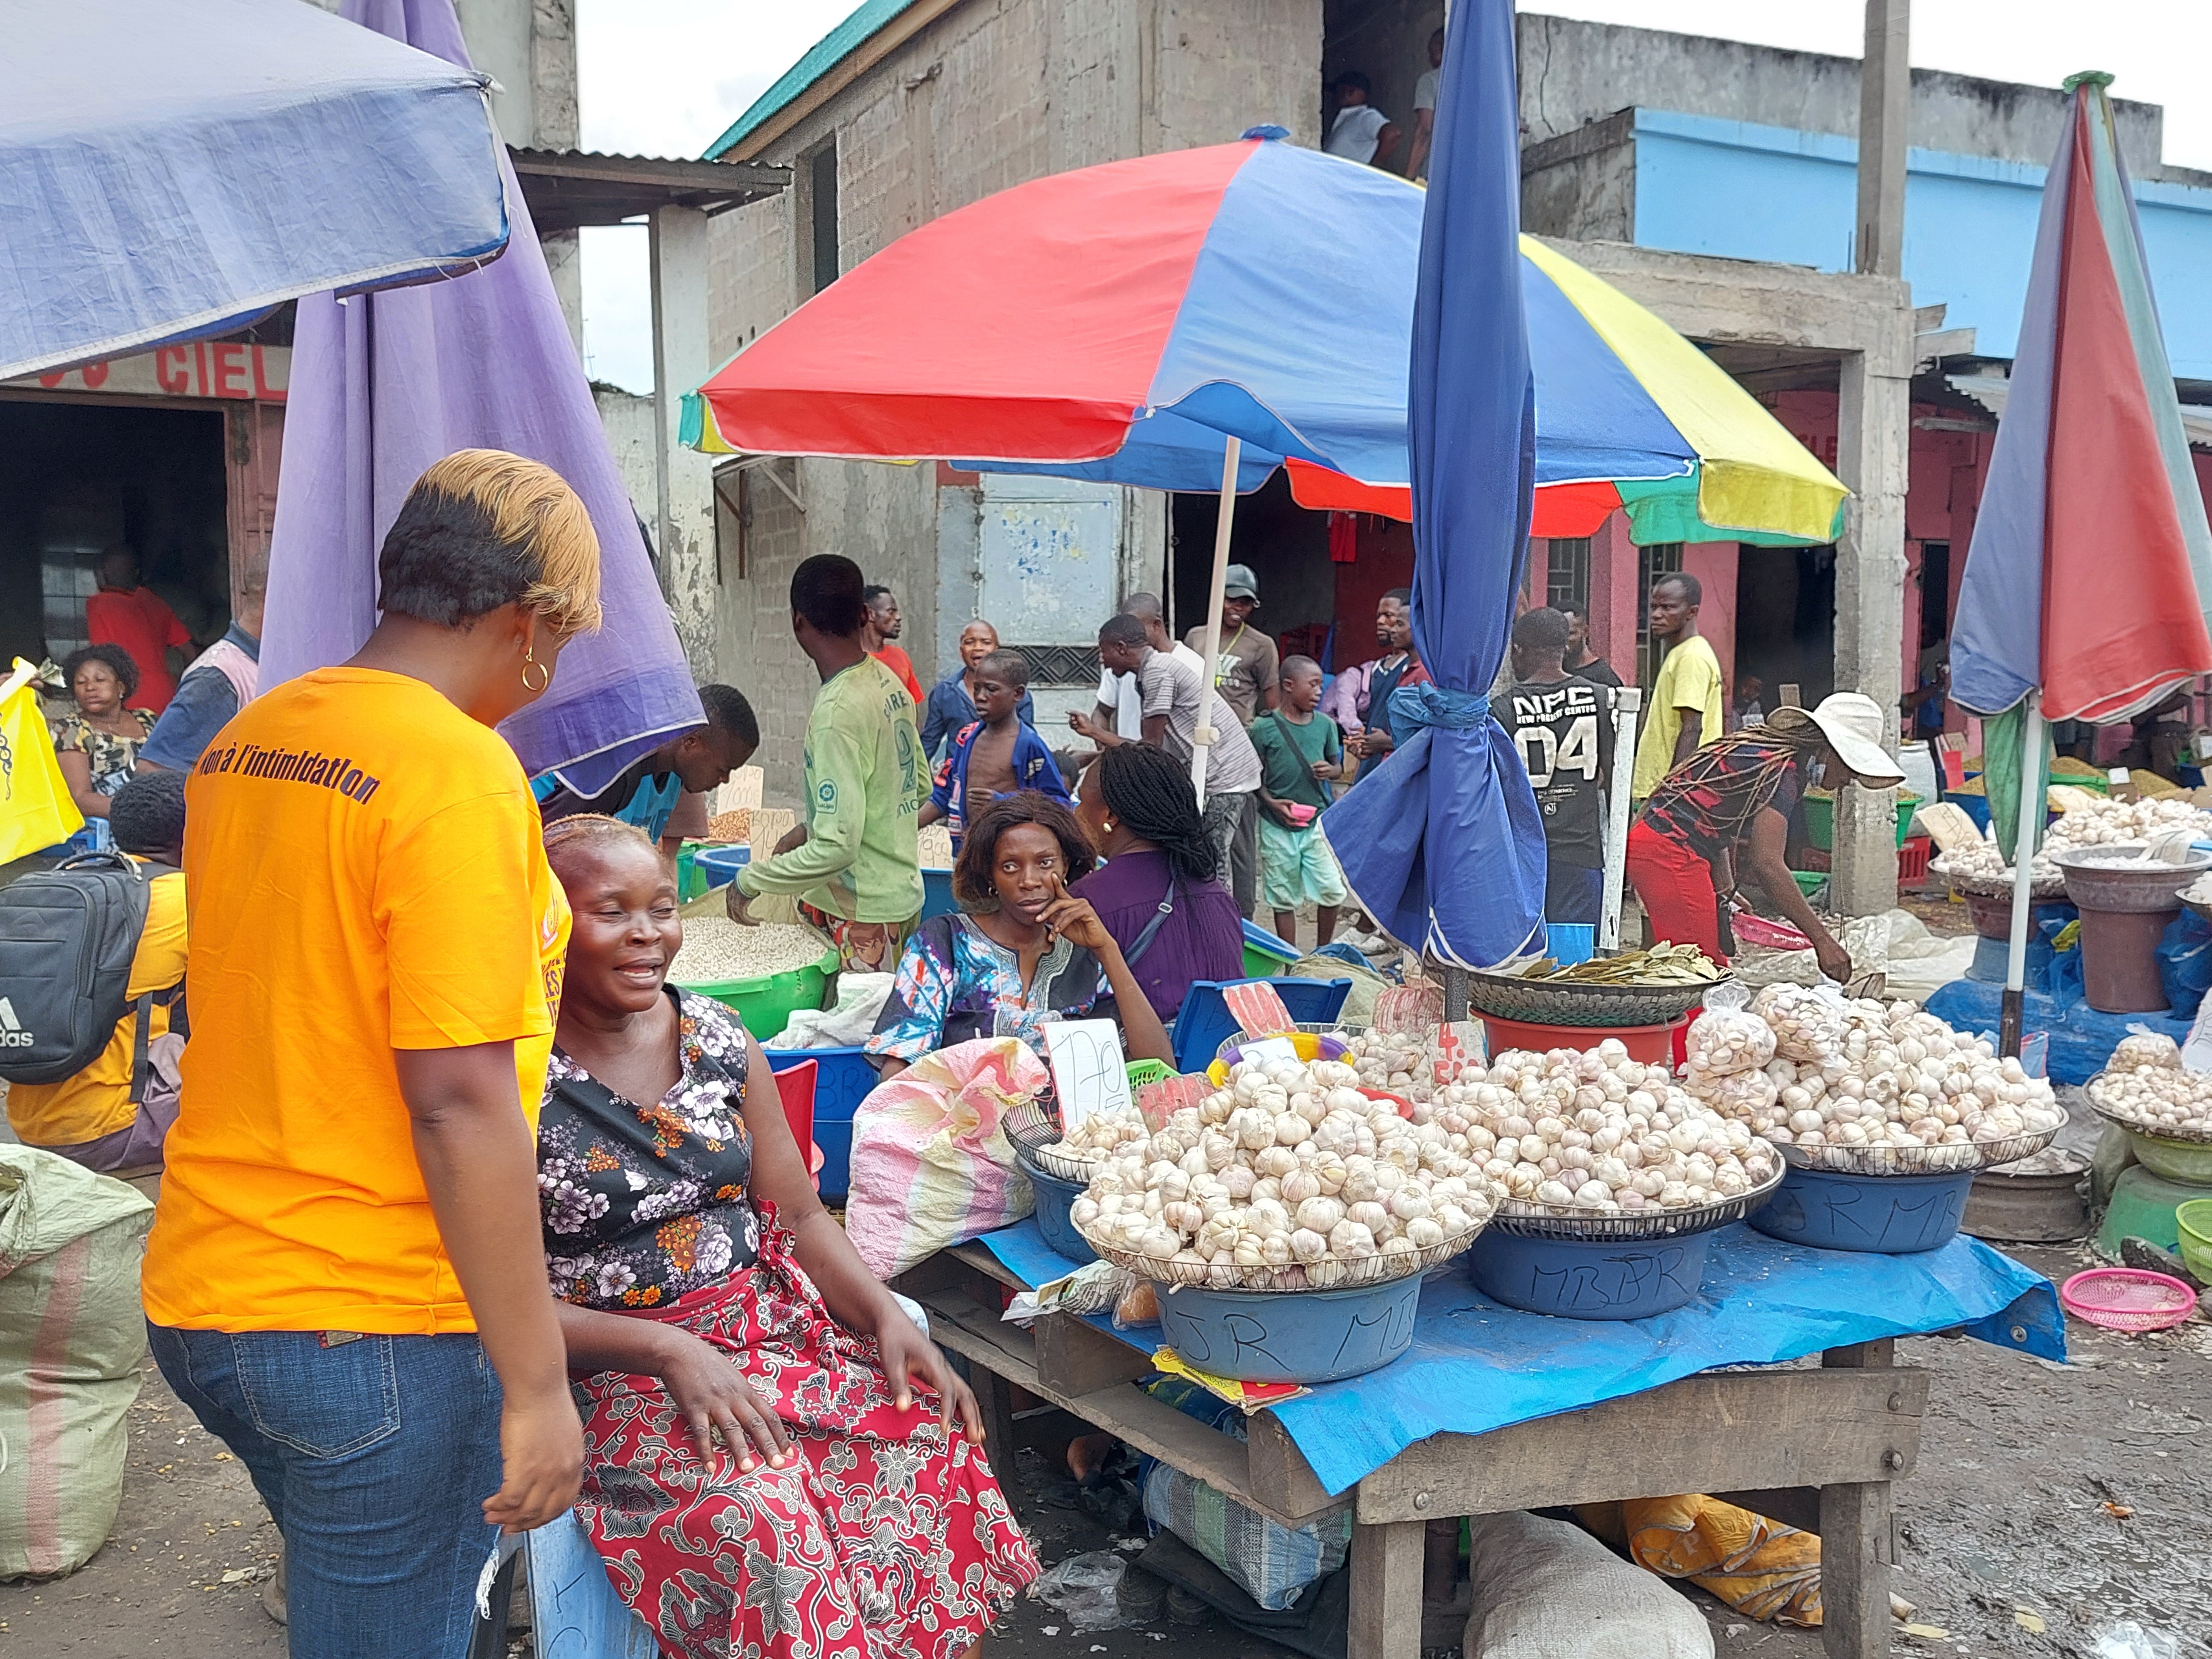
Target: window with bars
x,y
1661,559
1567,571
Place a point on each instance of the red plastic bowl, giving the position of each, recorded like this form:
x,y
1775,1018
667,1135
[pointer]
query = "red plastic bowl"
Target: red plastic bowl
x,y
2127,1299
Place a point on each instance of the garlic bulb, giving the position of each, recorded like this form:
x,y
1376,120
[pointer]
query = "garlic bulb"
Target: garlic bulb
x,y
2157,1099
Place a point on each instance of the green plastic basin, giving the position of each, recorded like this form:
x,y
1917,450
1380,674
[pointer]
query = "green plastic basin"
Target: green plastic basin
x,y
2187,1161
2193,1221
766,1004
1820,819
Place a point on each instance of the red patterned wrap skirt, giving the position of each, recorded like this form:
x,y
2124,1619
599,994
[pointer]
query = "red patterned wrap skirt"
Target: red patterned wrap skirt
x,y
886,1539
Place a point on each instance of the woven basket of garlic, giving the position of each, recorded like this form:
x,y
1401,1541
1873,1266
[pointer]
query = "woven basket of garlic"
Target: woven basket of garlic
x,y
1873,1089
1288,1178
1595,1144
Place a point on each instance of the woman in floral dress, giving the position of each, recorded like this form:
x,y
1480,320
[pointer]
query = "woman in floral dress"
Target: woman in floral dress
x,y
765,1472
97,747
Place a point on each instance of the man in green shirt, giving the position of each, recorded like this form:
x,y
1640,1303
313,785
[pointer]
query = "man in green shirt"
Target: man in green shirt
x,y
1300,752
852,865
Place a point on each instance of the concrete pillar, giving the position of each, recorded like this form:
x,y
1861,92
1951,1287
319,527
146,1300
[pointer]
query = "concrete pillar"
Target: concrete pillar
x,y
1885,111
684,528
1874,429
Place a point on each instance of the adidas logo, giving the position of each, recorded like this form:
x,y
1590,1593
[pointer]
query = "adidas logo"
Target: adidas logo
x,y
12,1033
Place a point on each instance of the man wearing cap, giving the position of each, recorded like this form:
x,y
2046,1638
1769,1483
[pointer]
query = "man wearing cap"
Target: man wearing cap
x,y
1245,672
1724,812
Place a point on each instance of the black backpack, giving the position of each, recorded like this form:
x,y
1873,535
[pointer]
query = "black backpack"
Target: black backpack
x,y
67,938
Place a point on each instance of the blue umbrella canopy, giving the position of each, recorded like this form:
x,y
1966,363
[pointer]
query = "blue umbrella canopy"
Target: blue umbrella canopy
x,y
1443,845
170,170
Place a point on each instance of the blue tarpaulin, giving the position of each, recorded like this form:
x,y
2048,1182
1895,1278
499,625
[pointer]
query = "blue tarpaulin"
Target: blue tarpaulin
x,y
1444,844
171,170
2082,1039
1476,1365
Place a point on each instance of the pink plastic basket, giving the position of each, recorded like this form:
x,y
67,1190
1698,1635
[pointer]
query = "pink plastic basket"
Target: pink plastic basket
x,y
2127,1299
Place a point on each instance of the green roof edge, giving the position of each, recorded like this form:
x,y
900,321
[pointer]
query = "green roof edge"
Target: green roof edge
x,y
825,55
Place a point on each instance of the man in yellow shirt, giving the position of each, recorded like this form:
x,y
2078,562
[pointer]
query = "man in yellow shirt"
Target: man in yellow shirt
x,y
1686,696
98,1117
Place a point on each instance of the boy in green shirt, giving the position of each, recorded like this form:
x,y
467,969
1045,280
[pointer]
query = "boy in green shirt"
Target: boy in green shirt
x,y
1300,751
853,865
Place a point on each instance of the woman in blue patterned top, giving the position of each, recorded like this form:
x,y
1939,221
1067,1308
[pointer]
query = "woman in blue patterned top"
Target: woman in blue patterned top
x,y
1027,951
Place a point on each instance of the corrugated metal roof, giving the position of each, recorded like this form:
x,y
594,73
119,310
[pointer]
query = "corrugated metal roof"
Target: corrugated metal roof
x,y
821,58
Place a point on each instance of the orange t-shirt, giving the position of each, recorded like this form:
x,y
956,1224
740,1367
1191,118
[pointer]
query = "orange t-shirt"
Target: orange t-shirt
x,y
902,666
365,873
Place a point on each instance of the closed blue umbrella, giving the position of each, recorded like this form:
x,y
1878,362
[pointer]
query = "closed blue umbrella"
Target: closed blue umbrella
x,y
174,170
1443,845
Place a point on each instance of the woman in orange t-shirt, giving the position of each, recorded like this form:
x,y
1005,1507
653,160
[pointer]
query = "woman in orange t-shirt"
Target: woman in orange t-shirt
x,y
343,1280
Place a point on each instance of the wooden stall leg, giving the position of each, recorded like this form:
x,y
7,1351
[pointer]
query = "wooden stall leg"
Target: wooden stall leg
x,y
1854,1571
1386,1591
995,1397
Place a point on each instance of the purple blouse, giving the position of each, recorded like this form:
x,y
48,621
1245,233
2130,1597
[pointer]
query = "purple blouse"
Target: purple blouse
x,y
1202,939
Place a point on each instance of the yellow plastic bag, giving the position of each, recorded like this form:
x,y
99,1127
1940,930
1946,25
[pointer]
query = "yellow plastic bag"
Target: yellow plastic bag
x,y
35,808
1758,1566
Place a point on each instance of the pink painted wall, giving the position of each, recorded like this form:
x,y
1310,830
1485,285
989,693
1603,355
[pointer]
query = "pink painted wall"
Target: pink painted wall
x,y
1713,563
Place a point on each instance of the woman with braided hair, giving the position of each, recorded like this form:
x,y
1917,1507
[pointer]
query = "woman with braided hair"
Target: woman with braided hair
x,y
1158,893
1728,806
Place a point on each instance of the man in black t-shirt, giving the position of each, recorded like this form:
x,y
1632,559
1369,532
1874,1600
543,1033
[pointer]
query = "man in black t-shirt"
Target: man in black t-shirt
x,y
1581,661
1562,725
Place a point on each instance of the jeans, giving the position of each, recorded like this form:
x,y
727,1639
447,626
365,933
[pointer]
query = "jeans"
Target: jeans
x,y
374,1457
1232,822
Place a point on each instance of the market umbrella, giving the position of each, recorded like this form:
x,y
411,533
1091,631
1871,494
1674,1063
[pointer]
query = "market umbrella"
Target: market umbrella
x,y
385,384
1142,312
168,171
1443,845
2087,582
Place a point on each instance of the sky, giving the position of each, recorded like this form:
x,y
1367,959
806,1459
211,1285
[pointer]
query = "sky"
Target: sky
x,y
666,77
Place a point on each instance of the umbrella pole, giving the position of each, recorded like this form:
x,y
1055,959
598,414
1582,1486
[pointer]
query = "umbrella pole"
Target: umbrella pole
x,y
2025,836
1626,701
1225,520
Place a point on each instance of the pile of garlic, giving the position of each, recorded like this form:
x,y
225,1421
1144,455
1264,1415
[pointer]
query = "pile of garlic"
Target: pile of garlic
x,y
1869,1074
2145,1086
1598,1133
2091,820
1289,1178
1395,1061
1099,1136
1726,1048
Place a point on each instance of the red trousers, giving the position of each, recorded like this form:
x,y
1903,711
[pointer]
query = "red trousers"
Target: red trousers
x,y
1676,888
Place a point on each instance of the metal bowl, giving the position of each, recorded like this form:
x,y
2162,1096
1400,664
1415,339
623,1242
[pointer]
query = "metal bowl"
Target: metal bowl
x,y
1033,1126
1369,1270
1954,1159
1565,1002
1522,1220
2153,1132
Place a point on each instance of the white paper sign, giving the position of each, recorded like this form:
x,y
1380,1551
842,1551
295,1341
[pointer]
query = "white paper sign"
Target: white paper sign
x,y
1273,1048
1089,1072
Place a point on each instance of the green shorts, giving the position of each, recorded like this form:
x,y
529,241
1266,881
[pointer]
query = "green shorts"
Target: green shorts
x,y
1296,867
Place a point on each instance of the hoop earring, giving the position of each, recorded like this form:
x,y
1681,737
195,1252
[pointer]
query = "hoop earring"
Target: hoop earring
x,y
544,674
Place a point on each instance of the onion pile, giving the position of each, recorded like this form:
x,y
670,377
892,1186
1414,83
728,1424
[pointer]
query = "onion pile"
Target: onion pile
x,y
1594,1134
2145,1088
1870,1074
1289,1178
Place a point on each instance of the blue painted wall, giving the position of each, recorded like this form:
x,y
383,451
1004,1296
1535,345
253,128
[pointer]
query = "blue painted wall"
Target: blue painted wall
x,y
1756,193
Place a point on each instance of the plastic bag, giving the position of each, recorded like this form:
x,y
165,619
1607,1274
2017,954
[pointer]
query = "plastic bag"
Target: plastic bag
x,y
1726,1037
2128,1640
1808,1021
930,1163
1087,1588
1546,1590
2145,1048
72,1336
861,998
1138,1305
2185,963
1743,1095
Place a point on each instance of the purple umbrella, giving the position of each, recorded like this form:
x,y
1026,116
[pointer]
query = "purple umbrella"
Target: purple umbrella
x,y
385,384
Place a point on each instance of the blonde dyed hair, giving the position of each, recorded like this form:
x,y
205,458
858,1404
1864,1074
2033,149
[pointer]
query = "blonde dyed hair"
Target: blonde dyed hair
x,y
483,528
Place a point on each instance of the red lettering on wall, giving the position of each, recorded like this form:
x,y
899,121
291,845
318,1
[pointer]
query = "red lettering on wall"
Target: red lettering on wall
x,y
50,380
263,390
230,369
95,376
171,371
199,367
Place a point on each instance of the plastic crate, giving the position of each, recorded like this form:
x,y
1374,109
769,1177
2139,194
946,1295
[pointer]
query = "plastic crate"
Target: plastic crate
x,y
1912,859
936,898
1204,1023
842,1080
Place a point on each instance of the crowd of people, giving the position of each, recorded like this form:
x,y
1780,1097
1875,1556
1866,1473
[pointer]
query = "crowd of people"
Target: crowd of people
x,y
411,1194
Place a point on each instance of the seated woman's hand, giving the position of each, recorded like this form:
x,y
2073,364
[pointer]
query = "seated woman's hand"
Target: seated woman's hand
x,y
712,1396
1074,920
910,1358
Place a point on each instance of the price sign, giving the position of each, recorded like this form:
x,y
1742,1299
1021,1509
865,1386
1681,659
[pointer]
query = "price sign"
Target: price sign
x,y
1089,1073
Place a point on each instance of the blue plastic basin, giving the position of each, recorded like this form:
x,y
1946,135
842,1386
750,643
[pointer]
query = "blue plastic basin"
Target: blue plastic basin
x,y
843,1079
1882,1215
1054,1198
1290,1336
721,865
1607,1279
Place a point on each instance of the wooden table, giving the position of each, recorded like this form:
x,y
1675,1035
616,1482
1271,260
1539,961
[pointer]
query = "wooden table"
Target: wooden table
x,y
1812,1448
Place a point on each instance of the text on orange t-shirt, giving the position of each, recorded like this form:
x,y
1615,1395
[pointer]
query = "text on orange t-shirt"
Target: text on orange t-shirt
x,y
365,873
